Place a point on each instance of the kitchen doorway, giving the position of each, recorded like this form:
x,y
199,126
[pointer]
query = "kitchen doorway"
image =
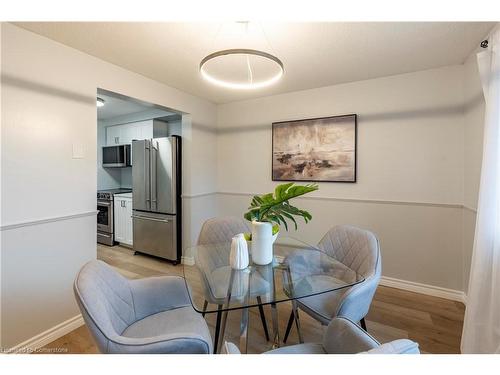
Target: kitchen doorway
x,y
139,163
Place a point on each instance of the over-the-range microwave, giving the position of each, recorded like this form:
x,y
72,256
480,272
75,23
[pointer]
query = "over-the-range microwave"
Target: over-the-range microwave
x,y
116,156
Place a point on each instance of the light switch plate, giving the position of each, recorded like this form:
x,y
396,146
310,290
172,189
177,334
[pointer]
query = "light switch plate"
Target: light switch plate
x,y
78,150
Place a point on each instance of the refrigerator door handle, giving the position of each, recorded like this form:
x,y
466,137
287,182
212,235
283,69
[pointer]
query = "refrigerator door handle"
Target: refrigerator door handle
x,y
125,156
154,190
150,218
147,174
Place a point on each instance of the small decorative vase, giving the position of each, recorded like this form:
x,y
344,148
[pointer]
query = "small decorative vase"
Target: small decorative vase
x,y
238,258
262,242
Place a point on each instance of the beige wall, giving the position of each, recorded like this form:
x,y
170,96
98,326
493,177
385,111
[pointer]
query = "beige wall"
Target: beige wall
x,y
410,161
48,105
420,243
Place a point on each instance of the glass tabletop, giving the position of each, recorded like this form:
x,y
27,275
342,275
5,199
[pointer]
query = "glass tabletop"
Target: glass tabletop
x,y
298,270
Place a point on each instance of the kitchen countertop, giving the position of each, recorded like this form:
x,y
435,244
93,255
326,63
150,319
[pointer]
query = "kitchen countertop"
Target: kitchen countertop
x,y
124,195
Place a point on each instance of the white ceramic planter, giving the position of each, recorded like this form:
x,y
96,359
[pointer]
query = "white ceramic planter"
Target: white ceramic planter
x,y
262,242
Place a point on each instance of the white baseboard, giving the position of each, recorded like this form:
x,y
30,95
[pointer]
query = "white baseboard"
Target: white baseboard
x,y
188,261
48,336
430,290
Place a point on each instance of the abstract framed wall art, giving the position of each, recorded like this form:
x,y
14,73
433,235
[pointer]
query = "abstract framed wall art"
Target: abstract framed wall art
x,y
319,149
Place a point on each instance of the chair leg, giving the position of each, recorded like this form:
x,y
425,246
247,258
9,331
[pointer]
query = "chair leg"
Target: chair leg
x,y
263,317
205,305
289,326
297,321
217,327
363,324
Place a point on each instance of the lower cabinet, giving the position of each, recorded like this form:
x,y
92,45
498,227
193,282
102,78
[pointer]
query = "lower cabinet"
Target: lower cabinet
x,y
123,220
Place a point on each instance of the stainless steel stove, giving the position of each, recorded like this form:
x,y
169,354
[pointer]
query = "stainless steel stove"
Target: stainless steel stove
x,y
105,215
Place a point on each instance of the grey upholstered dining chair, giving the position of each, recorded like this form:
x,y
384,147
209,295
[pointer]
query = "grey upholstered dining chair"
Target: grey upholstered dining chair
x,y
221,230
342,337
151,315
359,250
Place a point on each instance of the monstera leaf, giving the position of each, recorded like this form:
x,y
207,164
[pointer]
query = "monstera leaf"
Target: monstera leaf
x,y
275,207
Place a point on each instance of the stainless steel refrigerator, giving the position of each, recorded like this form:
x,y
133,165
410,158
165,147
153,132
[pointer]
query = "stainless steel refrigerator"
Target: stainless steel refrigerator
x,y
156,180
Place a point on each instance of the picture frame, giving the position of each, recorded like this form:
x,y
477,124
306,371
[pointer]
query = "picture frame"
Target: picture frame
x,y
322,149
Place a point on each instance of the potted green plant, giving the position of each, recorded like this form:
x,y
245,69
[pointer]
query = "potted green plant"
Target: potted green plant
x,y
267,212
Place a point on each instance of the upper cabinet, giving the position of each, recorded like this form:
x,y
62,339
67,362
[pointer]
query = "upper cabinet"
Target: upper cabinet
x,y
125,133
113,135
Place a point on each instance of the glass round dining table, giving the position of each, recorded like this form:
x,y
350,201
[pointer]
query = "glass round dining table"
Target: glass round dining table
x,y
298,270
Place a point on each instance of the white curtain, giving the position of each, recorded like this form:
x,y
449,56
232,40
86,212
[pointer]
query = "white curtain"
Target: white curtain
x,y
481,332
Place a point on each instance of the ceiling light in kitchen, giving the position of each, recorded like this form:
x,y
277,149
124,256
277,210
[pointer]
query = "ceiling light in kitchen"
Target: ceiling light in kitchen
x,y
100,102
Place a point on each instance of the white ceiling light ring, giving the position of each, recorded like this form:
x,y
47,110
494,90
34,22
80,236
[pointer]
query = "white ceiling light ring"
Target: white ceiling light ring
x,y
242,86
241,51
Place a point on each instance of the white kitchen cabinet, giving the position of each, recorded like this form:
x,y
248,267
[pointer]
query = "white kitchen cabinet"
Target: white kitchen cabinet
x,y
125,133
113,135
146,130
123,219
133,131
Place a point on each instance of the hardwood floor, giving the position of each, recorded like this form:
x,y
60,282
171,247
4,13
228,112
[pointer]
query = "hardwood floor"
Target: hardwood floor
x,y
435,323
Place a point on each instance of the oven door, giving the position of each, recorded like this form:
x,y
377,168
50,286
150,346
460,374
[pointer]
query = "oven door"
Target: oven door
x,y
105,216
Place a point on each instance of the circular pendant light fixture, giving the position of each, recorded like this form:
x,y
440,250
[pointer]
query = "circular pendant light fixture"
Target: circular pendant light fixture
x,y
260,68
240,61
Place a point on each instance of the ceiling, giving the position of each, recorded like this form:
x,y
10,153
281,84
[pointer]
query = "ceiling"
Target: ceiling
x,y
313,54
115,106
